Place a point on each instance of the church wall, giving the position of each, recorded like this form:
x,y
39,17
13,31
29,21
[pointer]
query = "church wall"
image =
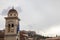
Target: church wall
x,y
10,38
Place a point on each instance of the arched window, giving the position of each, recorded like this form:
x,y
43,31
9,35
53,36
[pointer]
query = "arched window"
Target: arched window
x,y
12,25
17,38
8,27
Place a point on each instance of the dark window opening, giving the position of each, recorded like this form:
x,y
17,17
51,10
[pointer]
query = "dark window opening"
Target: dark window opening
x,y
17,39
10,14
8,27
12,25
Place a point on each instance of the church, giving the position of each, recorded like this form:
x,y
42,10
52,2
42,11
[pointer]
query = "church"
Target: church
x,y
11,31
12,25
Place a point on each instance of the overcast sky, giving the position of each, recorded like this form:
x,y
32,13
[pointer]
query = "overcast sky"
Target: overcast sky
x,y
42,16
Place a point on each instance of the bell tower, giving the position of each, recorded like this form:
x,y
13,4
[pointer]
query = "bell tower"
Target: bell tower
x,y
12,25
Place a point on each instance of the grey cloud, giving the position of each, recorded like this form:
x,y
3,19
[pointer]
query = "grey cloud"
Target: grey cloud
x,y
18,9
50,12
5,11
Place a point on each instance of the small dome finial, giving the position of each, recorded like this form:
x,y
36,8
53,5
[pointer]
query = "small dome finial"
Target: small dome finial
x,y
12,7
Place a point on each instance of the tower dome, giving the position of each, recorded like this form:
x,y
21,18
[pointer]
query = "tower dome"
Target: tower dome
x,y
12,10
12,13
